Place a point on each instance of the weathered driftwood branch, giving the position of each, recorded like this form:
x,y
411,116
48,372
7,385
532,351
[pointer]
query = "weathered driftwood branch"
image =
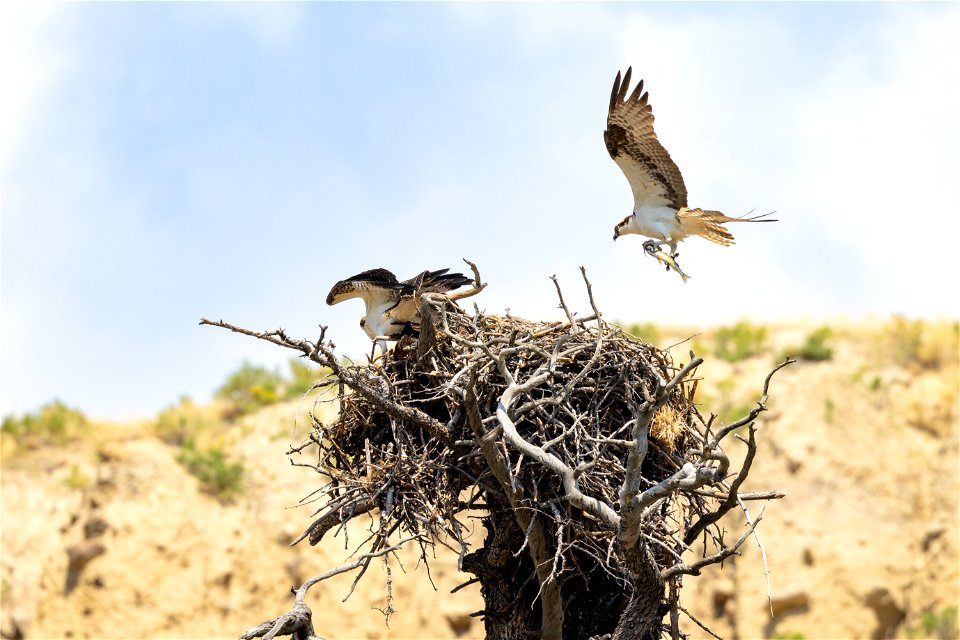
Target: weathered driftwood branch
x,y
581,441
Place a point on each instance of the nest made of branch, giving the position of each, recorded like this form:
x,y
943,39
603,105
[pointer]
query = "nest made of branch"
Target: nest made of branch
x,y
583,413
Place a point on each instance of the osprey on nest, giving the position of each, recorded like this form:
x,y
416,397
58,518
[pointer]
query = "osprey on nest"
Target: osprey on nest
x,y
659,195
393,307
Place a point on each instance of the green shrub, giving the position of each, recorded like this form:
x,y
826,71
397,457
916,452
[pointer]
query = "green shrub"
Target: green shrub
x,y
906,338
941,625
218,476
53,424
249,388
700,346
302,378
740,341
728,405
929,345
867,378
829,410
646,331
77,479
729,412
814,348
185,421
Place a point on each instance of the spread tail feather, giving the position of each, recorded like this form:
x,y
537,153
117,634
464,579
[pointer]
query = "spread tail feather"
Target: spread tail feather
x,y
758,218
709,224
706,224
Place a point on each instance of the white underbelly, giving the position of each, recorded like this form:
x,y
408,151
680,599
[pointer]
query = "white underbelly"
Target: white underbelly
x,y
656,222
377,322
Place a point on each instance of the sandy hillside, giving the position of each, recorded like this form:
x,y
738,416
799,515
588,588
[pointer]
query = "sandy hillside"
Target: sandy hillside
x,y
865,447
112,537
178,563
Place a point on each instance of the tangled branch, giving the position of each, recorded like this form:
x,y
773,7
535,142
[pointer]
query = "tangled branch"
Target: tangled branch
x,y
587,436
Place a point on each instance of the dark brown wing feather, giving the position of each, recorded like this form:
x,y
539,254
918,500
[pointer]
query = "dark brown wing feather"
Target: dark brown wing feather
x,y
379,278
408,309
633,145
441,281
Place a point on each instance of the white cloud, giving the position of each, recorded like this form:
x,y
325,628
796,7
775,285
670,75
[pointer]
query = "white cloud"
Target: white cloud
x,y
30,65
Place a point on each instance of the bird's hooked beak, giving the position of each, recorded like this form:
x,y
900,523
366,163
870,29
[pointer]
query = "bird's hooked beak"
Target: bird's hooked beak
x,y
620,225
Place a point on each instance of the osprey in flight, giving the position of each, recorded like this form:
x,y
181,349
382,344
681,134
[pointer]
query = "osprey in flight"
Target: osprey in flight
x,y
393,307
659,195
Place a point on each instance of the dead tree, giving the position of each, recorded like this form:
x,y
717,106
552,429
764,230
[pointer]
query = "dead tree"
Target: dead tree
x,y
602,482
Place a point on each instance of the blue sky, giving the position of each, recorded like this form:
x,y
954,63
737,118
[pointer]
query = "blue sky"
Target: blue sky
x,y
167,161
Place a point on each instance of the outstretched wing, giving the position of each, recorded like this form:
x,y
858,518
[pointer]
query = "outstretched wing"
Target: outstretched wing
x,y
633,145
393,307
441,281
373,286
408,309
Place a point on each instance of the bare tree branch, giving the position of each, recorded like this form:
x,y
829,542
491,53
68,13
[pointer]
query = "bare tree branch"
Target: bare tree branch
x,y
478,286
583,442
323,355
298,621
724,553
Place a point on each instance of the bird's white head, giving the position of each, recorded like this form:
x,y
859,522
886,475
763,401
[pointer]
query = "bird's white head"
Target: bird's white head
x,y
367,329
617,230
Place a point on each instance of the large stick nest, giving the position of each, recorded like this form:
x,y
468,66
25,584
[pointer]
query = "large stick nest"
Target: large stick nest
x,y
583,413
587,439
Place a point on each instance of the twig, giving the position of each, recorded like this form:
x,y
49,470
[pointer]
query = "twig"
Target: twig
x,y
700,624
563,305
720,556
477,285
763,553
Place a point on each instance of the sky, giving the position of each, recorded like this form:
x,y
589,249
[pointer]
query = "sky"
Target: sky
x,y
167,161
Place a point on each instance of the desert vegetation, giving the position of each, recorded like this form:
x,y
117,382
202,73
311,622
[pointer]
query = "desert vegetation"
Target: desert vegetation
x,y
53,424
889,569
